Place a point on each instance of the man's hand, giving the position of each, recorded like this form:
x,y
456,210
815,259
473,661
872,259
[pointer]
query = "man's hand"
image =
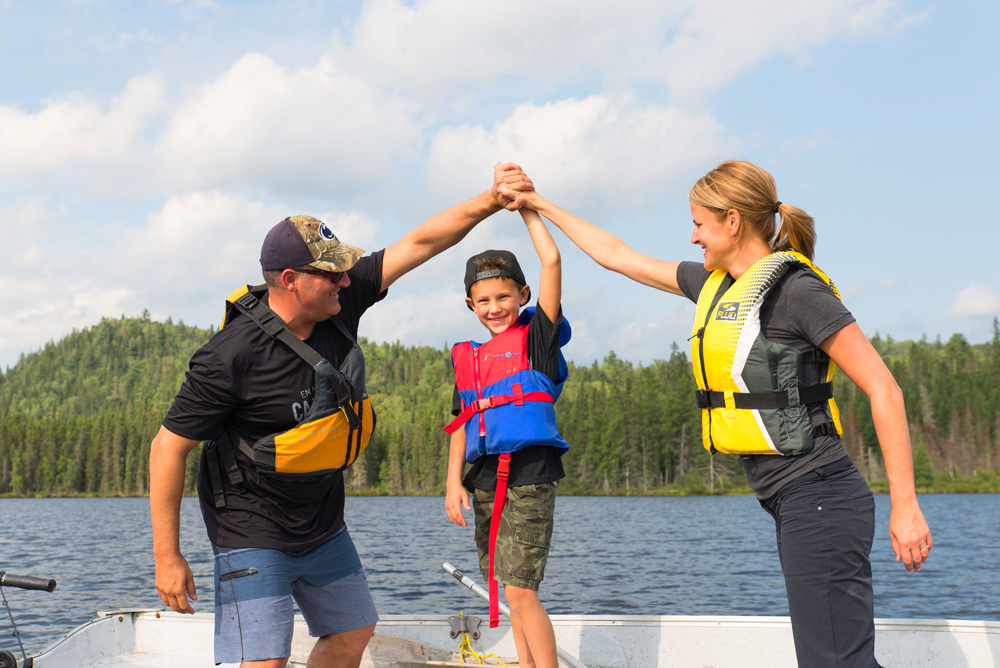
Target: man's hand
x,y
175,583
509,176
456,498
910,535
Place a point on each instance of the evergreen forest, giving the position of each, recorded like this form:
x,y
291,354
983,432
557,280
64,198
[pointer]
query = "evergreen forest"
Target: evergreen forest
x,y
77,417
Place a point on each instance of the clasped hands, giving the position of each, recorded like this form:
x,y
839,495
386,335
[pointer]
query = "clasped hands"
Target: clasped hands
x,y
509,181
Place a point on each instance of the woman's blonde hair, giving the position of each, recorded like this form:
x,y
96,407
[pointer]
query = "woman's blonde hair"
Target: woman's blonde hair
x,y
745,187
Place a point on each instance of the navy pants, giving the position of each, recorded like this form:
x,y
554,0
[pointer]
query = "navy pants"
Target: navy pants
x,y
825,524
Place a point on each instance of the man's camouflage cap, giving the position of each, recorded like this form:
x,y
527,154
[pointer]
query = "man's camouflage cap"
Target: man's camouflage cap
x,y
303,240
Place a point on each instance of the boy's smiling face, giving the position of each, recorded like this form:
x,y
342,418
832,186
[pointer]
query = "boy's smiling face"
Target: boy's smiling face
x,y
497,302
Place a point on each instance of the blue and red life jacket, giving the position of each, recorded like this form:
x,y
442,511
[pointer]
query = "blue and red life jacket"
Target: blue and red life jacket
x,y
515,406
506,405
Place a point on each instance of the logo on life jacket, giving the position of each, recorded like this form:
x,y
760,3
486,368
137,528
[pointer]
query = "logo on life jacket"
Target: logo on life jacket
x,y
728,311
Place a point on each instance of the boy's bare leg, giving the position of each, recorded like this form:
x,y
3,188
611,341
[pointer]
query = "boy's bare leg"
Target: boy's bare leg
x,y
524,658
532,629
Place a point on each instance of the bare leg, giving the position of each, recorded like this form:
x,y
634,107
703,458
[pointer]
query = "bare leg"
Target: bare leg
x,y
340,650
534,626
524,658
266,663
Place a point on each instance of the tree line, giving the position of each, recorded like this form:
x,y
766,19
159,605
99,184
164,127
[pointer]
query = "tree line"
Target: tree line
x,y
77,416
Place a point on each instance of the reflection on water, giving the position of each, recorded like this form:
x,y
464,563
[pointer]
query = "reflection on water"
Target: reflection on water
x,y
649,556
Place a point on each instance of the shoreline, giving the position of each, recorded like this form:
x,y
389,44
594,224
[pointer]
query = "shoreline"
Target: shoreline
x,y
984,484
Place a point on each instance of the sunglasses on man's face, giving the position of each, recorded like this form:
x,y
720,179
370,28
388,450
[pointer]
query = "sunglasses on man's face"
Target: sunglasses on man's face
x,y
332,275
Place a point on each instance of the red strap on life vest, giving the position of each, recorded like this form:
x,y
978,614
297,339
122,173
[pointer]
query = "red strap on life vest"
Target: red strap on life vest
x,y
518,398
503,469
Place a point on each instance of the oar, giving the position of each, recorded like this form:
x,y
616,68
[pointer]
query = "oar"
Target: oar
x,y
567,658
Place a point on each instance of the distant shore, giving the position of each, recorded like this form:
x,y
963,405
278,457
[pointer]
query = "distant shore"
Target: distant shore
x,y
985,482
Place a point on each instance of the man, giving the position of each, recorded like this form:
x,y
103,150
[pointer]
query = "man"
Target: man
x,y
277,538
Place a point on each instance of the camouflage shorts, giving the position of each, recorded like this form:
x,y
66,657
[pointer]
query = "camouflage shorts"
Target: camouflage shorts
x,y
525,533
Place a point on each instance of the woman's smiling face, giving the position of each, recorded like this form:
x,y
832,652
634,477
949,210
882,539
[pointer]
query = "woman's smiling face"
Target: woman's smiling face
x,y
714,235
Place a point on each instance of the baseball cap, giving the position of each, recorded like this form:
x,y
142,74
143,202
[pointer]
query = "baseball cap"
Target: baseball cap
x,y
304,240
510,269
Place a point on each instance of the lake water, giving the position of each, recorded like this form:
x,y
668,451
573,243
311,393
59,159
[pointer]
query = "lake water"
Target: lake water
x,y
648,556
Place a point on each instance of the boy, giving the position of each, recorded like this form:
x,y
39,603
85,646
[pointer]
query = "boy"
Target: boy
x,y
504,395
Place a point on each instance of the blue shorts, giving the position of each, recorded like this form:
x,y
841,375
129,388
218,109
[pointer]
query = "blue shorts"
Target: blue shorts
x,y
253,610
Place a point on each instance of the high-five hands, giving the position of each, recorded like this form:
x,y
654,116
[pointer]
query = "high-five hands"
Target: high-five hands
x,y
508,177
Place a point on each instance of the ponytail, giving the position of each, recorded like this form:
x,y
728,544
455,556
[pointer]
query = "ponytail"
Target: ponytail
x,y
796,231
745,187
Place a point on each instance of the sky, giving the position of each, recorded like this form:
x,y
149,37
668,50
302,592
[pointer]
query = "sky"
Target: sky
x,y
147,147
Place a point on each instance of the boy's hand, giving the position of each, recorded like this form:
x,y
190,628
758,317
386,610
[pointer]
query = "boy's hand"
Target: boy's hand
x,y
510,176
456,499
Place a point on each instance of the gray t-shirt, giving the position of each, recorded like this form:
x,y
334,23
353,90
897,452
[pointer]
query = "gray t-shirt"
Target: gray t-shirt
x,y
801,311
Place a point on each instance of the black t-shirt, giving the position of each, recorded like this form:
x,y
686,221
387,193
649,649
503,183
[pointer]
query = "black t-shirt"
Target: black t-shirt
x,y
801,311
247,382
534,463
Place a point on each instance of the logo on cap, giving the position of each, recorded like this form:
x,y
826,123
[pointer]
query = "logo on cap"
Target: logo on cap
x,y
326,232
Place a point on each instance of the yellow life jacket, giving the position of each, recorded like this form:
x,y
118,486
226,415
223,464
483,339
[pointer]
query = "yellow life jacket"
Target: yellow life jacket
x,y
335,430
751,390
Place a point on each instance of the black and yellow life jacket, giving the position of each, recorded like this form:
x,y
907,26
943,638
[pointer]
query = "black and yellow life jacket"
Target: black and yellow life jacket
x,y
335,430
753,391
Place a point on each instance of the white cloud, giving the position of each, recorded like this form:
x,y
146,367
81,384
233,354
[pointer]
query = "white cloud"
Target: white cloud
x,y
317,128
192,252
694,47
77,129
976,300
582,151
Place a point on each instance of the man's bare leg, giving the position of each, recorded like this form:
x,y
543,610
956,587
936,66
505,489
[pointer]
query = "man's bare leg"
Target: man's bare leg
x,y
535,628
266,663
340,650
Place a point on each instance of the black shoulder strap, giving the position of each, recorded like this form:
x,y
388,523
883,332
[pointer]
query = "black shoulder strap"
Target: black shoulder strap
x,y
274,327
343,329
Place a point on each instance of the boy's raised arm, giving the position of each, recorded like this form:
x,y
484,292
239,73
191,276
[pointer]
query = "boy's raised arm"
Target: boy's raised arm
x,y
550,282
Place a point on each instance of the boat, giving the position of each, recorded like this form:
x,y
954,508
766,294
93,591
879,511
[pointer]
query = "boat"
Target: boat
x,y
155,638
164,639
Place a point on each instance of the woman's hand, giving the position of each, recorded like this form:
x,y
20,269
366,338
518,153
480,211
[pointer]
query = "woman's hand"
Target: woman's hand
x,y
910,535
508,177
455,499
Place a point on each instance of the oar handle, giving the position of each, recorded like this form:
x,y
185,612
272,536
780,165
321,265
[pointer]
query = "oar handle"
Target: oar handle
x,y
26,582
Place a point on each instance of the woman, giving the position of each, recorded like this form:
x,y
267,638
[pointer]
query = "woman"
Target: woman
x,y
767,325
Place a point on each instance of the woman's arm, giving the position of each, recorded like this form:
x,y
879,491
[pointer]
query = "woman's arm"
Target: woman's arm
x,y
908,530
605,248
550,281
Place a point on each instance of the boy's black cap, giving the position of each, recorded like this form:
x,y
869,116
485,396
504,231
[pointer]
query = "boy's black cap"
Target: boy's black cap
x,y
511,269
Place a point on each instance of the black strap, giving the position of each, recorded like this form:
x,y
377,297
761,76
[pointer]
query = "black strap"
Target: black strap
x,y
274,327
224,444
825,429
212,457
220,449
813,394
815,356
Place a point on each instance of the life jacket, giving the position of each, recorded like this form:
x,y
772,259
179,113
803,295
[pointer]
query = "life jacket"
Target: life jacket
x,y
335,430
513,405
752,391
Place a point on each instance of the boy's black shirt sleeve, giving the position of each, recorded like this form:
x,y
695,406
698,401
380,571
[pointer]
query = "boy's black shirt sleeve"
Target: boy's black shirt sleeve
x,y
535,463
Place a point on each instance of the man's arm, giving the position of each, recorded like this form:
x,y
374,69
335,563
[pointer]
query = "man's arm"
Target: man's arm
x,y
550,281
447,228
167,457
